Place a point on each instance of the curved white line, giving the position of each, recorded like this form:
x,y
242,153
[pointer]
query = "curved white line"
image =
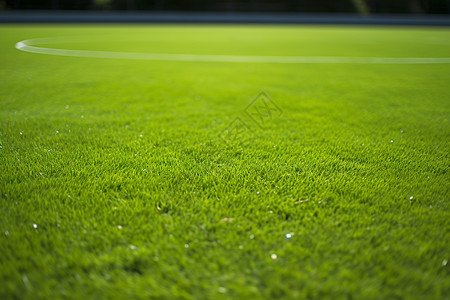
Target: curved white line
x,y
26,46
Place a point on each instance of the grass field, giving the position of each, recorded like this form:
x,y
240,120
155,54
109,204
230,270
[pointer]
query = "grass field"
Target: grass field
x,y
120,181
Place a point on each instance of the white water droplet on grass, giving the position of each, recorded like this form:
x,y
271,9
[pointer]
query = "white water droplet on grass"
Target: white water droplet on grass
x,y
21,132
57,131
410,198
444,262
186,245
273,256
252,236
119,227
35,225
392,141
288,236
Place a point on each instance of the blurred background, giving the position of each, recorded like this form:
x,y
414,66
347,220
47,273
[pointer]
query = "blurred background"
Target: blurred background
x,y
362,7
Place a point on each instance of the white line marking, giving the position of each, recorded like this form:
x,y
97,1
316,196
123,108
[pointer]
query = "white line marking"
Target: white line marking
x,y
26,46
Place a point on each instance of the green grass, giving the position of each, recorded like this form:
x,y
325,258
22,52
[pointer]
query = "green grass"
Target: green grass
x,y
138,146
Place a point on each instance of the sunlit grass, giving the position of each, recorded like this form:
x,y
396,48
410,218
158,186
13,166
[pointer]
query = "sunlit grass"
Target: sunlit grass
x,y
116,183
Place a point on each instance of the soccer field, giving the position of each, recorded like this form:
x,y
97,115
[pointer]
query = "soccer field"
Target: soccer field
x,y
224,162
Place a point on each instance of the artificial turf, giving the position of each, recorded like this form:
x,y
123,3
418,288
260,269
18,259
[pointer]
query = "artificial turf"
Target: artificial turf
x,y
119,180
